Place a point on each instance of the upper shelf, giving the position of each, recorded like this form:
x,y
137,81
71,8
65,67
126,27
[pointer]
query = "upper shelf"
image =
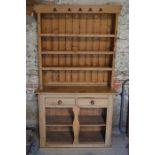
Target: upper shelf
x,y
51,8
78,68
78,52
78,35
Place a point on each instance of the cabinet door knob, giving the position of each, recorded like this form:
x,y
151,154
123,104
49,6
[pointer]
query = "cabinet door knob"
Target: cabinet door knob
x,y
59,102
92,102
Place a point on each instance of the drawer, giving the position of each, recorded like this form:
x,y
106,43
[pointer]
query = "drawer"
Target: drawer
x,y
59,101
90,102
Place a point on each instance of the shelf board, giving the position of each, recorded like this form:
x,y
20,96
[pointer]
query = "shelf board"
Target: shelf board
x,y
77,52
91,137
59,137
92,125
78,35
77,84
58,125
78,68
92,121
59,120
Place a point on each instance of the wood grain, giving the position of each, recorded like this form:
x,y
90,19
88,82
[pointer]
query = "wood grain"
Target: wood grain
x,y
76,53
76,125
42,127
100,9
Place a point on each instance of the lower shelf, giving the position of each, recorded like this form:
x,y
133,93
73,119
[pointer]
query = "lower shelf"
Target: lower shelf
x,y
59,137
68,137
91,137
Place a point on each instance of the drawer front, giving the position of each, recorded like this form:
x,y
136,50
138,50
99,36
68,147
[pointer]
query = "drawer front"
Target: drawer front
x,y
59,102
93,102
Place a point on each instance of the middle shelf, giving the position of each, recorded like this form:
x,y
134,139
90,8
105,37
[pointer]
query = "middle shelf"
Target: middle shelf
x,y
75,77
67,121
87,117
78,68
77,35
78,52
91,121
59,120
77,60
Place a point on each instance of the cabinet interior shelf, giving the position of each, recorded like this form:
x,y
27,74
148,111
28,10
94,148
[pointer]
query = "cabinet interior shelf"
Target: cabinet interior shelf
x,y
67,137
68,121
60,137
59,125
91,121
78,68
59,120
78,35
91,137
92,125
78,52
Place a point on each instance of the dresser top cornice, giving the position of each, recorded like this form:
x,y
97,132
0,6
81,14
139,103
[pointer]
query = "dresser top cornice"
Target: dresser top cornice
x,y
66,8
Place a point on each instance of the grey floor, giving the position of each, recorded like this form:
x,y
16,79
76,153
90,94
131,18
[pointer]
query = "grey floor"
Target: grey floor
x,y
119,147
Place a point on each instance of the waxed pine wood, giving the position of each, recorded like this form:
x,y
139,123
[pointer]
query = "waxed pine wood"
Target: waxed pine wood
x,y
76,48
78,39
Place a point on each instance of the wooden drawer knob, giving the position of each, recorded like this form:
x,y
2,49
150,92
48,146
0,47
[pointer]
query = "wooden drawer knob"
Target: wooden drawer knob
x,y
59,102
92,102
